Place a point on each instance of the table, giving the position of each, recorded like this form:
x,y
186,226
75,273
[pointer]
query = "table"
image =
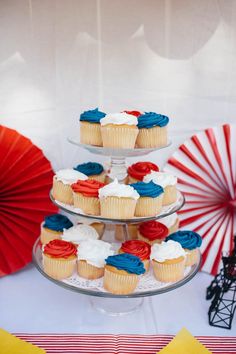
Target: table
x,y
29,303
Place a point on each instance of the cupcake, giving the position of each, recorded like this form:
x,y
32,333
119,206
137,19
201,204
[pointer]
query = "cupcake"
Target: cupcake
x,y
90,129
152,130
152,232
62,182
190,241
85,196
166,181
91,258
168,261
138,248
171,222
132,232
150,201
79,233
59,259
53,227
98,226
121,273
139,170
93,170
118,201
119,130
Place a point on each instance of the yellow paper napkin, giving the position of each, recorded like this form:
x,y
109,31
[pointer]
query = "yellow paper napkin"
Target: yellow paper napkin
x,y
184,343
9,344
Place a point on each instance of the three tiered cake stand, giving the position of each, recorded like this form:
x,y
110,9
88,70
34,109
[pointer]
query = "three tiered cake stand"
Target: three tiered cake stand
x,y
148,285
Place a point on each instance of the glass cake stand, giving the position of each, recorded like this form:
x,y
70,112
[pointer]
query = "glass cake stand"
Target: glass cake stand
x,y
111,303
118,165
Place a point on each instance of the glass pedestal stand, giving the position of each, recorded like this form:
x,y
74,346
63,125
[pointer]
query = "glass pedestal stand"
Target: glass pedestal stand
x,y
100,299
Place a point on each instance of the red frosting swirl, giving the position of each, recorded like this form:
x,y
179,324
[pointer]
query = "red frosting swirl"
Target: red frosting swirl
x,y
140,169
88,188
60,249
153,230
134,113
138,248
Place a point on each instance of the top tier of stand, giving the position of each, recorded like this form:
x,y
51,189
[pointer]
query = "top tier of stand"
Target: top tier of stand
x,y
99,150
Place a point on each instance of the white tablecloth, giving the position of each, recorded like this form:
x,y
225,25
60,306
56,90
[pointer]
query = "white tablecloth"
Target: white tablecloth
x,y
30,303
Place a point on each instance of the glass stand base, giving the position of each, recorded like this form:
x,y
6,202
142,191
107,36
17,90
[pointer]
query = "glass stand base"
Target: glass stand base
x,y
116,306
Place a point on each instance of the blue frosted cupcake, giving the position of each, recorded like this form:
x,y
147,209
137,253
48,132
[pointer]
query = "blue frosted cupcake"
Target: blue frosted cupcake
x,y
93,170
121,273
152,130
150,201
53,226
190,241
90,129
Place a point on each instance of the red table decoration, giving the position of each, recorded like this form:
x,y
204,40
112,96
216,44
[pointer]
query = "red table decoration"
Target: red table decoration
x,y
25,182
206,169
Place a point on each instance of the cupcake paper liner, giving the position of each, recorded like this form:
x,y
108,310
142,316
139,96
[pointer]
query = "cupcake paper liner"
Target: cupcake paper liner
x,y
152,137
47,235
119,284
168,272
174,227
148,206
100,178
142,238
133,231
89,205
88,271
62,192
58,268
170,195
99,227
90,133
117,208
192,257
119,136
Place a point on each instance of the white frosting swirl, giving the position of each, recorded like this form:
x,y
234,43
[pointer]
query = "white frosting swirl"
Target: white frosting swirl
x,y
161,252
95,252
163,179
79,233
115,189
119,118
70,176
169,220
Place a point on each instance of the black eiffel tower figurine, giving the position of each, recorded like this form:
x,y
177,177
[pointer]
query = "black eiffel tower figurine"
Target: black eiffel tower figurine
x,y
222,291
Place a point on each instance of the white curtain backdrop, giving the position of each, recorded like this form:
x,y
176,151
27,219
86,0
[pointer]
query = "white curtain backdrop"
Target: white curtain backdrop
x,y
61,57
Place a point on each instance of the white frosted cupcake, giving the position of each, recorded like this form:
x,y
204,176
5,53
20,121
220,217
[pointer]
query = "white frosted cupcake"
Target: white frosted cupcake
x,y
166,181
97,225
79,233
119,130
168,260
62,181
171,222
118,201
91,258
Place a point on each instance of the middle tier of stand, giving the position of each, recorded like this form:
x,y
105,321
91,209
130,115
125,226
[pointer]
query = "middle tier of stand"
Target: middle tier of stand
x,y
166,210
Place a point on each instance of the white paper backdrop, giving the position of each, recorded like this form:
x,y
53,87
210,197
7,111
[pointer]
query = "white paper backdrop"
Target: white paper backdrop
x,y
58,58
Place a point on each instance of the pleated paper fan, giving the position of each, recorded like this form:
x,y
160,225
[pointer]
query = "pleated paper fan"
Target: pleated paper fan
x,y
206,169
25,182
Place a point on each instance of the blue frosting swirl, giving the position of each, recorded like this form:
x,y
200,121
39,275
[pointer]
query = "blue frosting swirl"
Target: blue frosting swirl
x,y
188,239
149,189
90,168
128,262
92,116
152,119
57,222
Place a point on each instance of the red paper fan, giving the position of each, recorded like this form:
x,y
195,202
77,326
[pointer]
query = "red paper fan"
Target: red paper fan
x,y
25,181
206,169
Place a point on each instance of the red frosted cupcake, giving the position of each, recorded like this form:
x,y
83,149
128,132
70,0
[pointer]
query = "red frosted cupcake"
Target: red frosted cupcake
x,y
59,259
152,232
138,248
139,170
85,196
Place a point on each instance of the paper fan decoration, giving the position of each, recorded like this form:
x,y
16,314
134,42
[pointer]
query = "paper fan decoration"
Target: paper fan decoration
x,y
206,169
25,181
